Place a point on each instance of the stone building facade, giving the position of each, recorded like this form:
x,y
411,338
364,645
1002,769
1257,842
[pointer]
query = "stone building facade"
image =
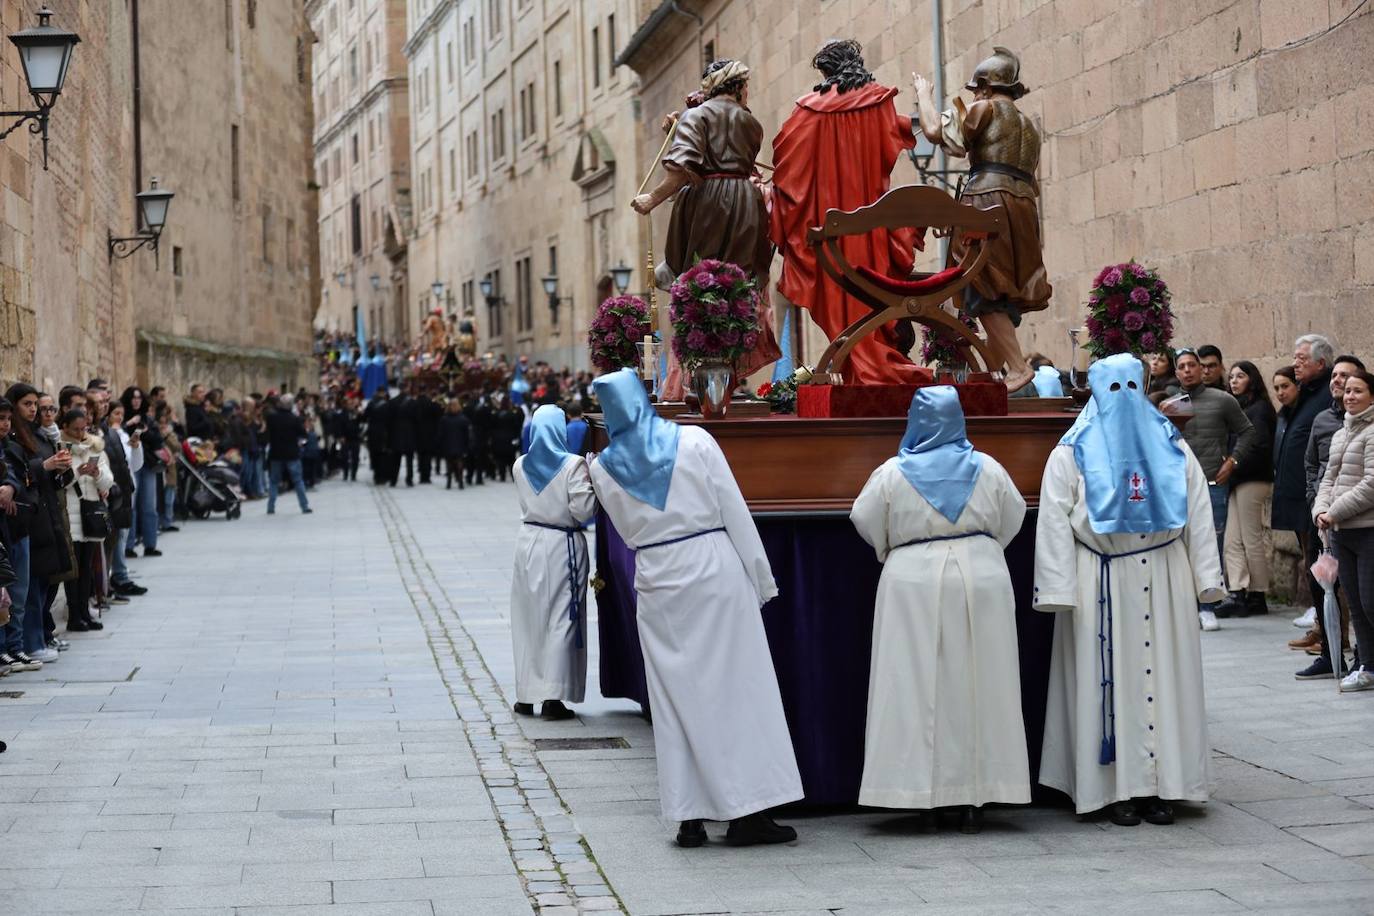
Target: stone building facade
x,y
220,113
362,165
523,154
1229,143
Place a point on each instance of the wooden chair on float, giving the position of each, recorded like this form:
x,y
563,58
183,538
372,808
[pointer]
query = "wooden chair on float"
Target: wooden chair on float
x,y
918,298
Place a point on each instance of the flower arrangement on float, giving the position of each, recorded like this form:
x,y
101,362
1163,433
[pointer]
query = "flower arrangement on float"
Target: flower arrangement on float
x,y
621,323
939,347
781,395
714,313
1128,312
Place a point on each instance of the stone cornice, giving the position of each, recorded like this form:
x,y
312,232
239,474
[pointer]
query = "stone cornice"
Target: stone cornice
x,y
390,84
427,27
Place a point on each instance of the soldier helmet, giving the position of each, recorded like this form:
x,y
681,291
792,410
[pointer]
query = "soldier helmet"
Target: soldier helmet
x,y
1001,71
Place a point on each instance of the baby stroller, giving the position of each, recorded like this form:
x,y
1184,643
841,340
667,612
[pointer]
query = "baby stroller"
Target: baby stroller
x,y
211,486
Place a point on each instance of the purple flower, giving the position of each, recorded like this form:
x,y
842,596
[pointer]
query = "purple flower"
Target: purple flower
x,y
1094,327
1133,321
750,340
696,339
1115,340
731,337
630,324
717,307
1148,342
1140,296
1116,304
1138,270
743,308
1113,277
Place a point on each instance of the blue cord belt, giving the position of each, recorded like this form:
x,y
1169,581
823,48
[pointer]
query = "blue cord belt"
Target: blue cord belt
x,y
1105,644
575,599
945,537
685,537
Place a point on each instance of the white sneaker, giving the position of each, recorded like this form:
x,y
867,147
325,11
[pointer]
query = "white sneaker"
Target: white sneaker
x,y
45,655
1208,620
1307,621
1359,679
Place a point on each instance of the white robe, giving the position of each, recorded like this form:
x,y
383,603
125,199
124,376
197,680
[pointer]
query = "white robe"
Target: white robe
x,y
549,665
1161,720
944,691
722,742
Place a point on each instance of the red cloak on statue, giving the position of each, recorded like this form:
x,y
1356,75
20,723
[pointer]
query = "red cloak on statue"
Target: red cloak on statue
x,y
837,150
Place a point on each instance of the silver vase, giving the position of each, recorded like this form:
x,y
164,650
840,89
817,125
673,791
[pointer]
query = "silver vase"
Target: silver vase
x,y
711,384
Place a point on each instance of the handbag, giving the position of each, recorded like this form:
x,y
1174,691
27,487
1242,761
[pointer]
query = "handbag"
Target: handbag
x,y
95,519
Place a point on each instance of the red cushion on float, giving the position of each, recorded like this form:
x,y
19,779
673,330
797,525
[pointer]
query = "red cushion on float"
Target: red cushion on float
x,y
928,284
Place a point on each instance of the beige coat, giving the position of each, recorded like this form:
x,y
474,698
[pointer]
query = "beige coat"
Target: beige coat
x,y
1347,490
92,448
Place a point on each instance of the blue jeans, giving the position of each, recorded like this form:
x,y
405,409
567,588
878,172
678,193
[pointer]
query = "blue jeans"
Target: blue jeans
x,y
250,477
119,570
294,469
1220,493
12,637
146,493
169,503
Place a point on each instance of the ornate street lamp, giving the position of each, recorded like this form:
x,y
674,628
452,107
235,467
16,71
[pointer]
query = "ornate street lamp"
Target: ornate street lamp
x,y
45,54
550,284
922,156
489,291
152,213
621,275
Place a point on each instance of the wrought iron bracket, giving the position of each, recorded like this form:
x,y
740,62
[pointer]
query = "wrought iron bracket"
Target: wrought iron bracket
x,y
38,126
123,247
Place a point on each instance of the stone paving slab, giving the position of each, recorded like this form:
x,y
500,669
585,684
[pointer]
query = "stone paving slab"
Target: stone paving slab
x,y
323,729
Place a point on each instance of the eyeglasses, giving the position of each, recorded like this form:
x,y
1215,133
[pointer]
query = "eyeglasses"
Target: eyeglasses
x,y
47,410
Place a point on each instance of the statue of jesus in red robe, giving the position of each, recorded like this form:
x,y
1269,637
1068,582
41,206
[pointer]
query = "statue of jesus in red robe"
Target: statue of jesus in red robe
x,y
837,150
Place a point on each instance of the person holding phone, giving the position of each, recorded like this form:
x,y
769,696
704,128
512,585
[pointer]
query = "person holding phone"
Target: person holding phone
x,y
91,483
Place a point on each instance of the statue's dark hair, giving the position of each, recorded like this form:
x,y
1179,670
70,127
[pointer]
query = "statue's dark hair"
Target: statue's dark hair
x,y
729,87
841,62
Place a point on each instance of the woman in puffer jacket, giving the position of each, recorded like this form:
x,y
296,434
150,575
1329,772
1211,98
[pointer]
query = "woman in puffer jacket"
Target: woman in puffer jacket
x,y
1345,508
92,482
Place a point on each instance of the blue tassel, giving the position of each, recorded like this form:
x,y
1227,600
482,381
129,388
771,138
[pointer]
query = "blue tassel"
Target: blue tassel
x,y
1108,753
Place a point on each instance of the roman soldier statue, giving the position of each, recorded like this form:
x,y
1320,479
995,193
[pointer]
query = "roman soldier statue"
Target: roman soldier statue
x,y
1003,149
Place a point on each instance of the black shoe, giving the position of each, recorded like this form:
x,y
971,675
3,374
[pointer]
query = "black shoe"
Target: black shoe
x,y
1158,811
691,834
81,626
524,709
128,589
130,553
307,511
555,710
151,552
757,828
1123,814
1233,605
1256,604
1320,669
169,528
972,820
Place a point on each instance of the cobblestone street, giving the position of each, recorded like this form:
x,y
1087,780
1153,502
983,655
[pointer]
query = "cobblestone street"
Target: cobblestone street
x,y
309,715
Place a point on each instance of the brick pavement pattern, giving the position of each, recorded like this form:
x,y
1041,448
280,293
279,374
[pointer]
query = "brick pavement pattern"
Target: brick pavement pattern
x,y
308,715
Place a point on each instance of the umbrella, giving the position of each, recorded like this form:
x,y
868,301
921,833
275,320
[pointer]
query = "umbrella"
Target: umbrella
x,y
1324,571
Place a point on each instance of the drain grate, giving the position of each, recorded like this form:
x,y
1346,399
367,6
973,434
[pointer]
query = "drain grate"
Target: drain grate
x,y
580,744
11,694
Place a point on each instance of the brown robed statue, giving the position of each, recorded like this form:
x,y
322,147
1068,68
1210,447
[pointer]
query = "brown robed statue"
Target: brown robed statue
x,y
1003,149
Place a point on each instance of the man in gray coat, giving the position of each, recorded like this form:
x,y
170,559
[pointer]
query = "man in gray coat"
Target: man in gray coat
x,y
1217,418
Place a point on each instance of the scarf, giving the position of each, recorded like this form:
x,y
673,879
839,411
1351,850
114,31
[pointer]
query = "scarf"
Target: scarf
x,y
643,447
548,447
936,457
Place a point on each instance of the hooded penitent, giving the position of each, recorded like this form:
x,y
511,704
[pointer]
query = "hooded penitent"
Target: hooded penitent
x,y
1133,467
